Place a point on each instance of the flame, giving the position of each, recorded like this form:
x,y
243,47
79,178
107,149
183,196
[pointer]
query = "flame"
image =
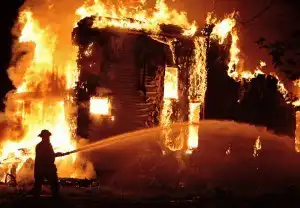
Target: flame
x,y
257,147
197,89
234,58
88,52
44,94
228,151
42,98
135,18
222,28
198,72
296,83
220,32
280,86
194,117
172,142
171,83
100,106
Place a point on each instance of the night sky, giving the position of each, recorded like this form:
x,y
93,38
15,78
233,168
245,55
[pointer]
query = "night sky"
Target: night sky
x,y
275,24
7,21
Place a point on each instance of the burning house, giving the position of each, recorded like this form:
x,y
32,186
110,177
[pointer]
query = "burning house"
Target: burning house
x,y
132,79
152,69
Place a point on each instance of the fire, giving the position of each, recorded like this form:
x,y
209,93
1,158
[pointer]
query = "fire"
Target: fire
x,y
44,48
45,81
135,18
257,147
228,151
149,20
197,89
296,83
221,31
172,142
198,72
194,117
223,28
42,99
280,86
100,106
171,83
234,58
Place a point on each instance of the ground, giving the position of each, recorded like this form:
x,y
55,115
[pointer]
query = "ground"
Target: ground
x,y
209,177
98,197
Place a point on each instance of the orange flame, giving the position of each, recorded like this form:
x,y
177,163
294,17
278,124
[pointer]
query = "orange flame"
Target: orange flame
x,y
136,18
44,93
42,97
170,95
194,117
100,106
222,28
257,147
221,31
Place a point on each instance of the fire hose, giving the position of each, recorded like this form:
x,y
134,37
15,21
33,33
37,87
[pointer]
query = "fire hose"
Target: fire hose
x,y
59,154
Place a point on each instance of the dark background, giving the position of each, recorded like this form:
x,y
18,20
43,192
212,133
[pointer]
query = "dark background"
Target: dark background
x,y
274,20
9,14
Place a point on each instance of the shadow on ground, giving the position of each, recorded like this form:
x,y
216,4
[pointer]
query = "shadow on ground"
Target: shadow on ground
x,y
96,197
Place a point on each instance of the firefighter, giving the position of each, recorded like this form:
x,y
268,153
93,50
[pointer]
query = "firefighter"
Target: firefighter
x,y
44,167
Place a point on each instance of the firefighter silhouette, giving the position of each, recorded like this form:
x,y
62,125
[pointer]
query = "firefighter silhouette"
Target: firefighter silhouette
x,y
44,167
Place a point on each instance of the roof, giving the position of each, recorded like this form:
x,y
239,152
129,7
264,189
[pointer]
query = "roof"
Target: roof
x,y
166,30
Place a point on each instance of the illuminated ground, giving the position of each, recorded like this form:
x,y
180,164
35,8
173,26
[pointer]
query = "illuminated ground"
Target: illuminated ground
x,y
230,168
74,197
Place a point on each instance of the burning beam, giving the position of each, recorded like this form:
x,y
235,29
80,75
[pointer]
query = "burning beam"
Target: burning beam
x,y
194,117
44,75
171,83
139,19
197,89
172,142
